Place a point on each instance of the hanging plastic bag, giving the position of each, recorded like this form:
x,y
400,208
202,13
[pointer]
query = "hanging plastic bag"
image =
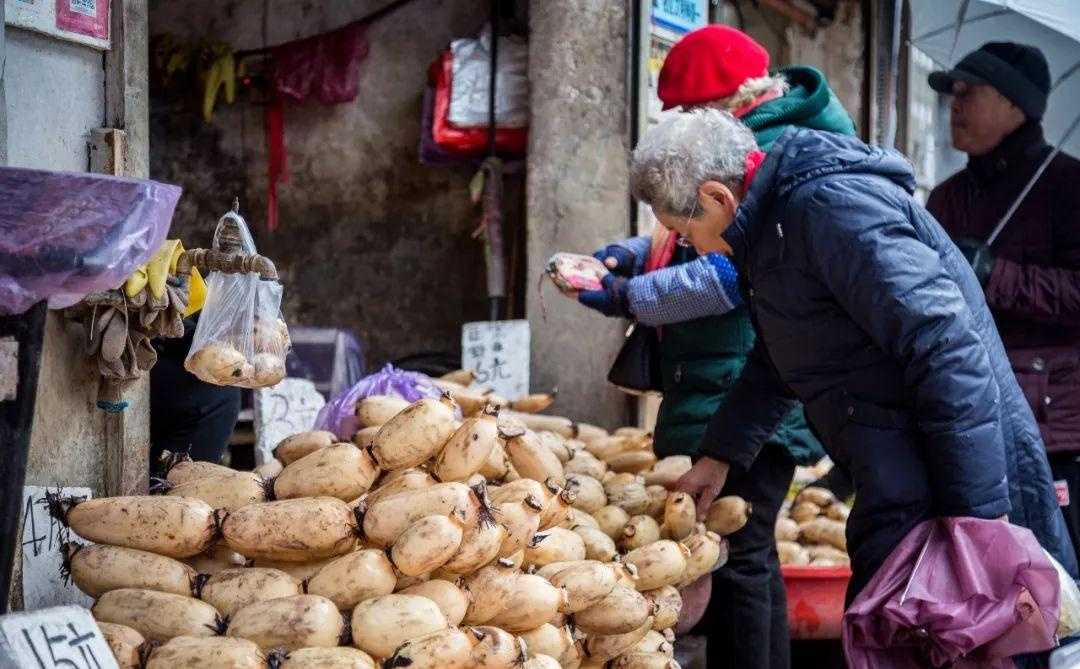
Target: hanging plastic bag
x,y
271,336
241,339
471,79
339,414
466,141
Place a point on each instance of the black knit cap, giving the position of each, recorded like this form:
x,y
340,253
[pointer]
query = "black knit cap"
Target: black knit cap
x,y
1018,71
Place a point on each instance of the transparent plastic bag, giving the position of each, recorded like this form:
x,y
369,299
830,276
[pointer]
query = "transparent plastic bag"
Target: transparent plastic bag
x,y
1069,600
271,337
241,339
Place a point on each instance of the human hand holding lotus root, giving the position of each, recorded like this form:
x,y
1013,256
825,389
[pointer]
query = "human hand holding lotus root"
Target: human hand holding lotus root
x,y
449,543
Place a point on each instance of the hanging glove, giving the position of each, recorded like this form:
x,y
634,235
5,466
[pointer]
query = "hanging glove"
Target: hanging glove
x,y
155,272
221,74
611,300
618,259
979,256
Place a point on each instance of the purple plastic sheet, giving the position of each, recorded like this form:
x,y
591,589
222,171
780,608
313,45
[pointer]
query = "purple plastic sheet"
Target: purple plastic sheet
x,y
958,592
65,234
339,414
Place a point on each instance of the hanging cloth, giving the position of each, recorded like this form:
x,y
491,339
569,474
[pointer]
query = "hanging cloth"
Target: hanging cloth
x,y
324,67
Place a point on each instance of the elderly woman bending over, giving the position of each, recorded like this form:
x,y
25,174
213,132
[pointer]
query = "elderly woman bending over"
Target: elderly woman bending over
x,y
867,313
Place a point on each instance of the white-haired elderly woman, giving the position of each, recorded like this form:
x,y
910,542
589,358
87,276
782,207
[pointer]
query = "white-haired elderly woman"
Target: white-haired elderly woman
x,y
867,313
705,333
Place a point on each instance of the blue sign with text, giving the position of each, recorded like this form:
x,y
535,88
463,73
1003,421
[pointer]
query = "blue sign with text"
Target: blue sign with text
x,y
680,15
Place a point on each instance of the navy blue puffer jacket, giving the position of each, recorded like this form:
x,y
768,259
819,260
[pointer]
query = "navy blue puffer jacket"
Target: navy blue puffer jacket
x,y
867,313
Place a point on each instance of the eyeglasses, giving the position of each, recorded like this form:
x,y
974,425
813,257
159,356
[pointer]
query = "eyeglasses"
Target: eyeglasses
x,y
683,240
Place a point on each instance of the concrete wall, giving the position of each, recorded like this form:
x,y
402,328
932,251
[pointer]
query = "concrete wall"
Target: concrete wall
x,y
52,94
55,95
577,190
837,49
370,240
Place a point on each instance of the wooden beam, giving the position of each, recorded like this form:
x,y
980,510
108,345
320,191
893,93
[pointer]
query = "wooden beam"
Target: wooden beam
x,y
123,148
127,83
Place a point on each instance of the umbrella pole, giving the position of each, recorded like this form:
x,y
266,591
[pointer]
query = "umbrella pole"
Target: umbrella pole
x,y
1031,183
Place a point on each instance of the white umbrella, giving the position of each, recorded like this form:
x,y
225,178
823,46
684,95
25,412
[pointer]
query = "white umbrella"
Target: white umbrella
x,y
947,30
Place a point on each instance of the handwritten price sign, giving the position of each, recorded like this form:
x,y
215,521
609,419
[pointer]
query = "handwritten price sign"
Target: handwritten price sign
x,y
65,637
42,537
283,410
498,351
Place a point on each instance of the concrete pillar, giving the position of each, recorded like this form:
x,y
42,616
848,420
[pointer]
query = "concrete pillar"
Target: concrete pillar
x,y
577,191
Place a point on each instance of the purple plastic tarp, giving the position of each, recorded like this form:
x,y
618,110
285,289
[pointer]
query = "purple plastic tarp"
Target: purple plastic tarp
x,y
964,591
339,414
65,234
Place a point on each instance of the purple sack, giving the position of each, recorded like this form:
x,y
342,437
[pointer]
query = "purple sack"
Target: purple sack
x,y
339,414
959,592
66,234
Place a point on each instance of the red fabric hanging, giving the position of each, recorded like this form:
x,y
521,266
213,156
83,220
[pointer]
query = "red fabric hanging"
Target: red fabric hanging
x,y
277,165
325,67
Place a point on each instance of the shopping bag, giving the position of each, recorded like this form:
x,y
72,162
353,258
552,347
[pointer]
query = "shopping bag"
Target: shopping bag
x,y
241,339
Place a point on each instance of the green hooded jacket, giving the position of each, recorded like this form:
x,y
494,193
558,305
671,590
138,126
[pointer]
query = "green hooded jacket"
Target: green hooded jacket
x,y
701,359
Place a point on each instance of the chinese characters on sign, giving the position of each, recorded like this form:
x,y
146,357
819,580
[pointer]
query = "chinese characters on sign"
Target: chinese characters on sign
x,y
42,538
498,351
59,638
285,409
681,16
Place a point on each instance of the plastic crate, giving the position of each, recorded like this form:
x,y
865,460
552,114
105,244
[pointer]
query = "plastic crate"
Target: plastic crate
x,y
815,599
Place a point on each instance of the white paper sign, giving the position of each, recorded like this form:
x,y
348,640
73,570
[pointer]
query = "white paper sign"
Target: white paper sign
x,y
281,411
498,351
42,537
40,16
64,637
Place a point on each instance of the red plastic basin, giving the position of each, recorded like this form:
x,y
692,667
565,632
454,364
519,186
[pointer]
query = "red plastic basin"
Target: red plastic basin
x,y
815,599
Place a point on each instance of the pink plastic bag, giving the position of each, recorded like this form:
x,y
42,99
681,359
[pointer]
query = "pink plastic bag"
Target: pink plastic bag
x,y
965,591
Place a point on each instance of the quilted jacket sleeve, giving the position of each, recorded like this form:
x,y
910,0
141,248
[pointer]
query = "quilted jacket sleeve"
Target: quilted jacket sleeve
x,y
706,286
896,288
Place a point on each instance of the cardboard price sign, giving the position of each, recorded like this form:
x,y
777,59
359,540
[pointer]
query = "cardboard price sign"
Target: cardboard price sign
x,y
65,637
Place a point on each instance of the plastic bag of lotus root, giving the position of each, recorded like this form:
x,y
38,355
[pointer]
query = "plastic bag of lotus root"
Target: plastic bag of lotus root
x,y
271,337
572,272
241,339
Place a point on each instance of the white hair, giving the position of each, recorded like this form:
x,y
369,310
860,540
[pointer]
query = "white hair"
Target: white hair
x,y
751,90
685,150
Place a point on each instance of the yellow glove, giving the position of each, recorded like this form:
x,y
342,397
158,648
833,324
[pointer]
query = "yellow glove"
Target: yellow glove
x,y
156,271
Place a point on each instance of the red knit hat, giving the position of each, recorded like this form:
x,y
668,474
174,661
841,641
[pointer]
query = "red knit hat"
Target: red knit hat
x,y
708,64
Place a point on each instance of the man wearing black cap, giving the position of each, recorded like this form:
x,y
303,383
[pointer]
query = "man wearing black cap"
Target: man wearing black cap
x,y
1031,273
